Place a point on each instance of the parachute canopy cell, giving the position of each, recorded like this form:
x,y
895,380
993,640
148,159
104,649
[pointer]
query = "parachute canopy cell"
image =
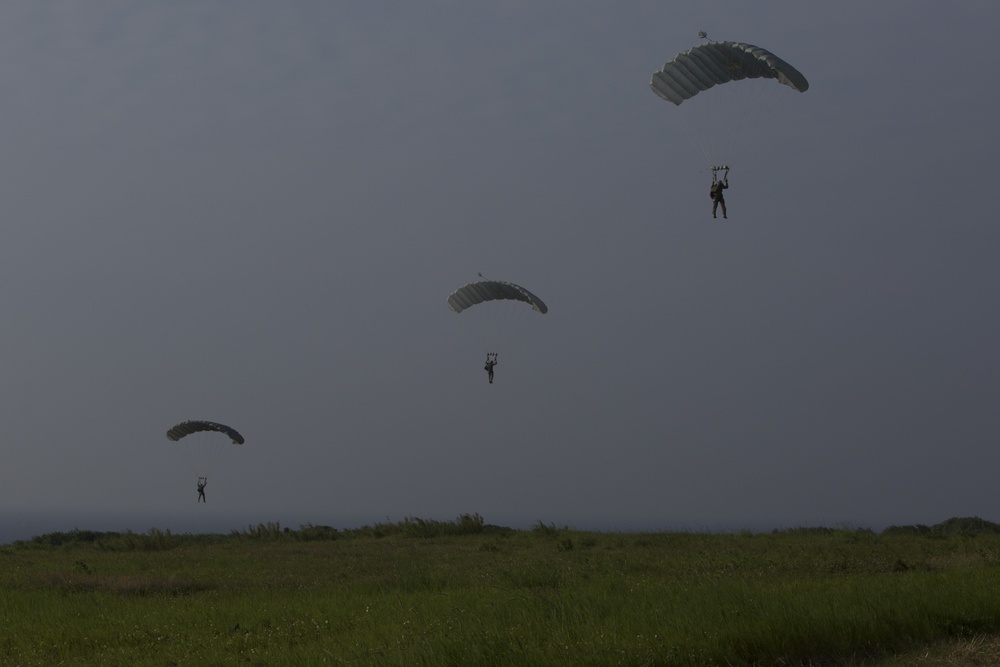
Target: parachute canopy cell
x,y
492,290
714,63
196,426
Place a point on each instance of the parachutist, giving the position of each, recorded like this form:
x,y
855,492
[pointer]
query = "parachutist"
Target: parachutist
x,y
710,65
202,481
484,291
716,191
491,361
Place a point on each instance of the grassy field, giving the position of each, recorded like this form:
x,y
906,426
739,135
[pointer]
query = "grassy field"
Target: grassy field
x,y
466,593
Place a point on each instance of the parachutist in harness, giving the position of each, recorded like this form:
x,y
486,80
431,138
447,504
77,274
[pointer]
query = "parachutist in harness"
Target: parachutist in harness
x,y
717,188
202,481
491,361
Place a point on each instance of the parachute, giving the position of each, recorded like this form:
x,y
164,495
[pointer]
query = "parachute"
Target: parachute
x,y
714,63
197,426
720,122
205,443
498,312
492,290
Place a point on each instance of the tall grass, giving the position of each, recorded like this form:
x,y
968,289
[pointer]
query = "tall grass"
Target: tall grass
x,y
466,593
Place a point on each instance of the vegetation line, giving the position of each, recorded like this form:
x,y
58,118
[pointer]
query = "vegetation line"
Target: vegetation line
x,y
465,592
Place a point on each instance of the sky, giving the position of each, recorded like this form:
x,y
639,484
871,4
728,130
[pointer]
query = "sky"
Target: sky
x,y
254,212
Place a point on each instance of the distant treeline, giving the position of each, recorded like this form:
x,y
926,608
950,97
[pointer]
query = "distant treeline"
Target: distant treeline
x,y
410,527
156,539
970,526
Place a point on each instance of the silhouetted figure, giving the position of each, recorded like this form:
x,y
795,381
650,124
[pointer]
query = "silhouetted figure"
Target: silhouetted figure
x,y
717,188
202,481
491,361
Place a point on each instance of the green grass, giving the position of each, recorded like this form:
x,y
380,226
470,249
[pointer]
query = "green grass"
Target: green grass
x,y
465,593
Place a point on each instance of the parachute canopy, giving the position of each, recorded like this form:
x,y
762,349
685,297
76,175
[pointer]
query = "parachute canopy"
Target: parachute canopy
x,y
492,290
714,63
196,426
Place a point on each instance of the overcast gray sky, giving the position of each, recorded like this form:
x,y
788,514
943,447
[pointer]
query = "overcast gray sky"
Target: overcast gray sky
x,y
253,213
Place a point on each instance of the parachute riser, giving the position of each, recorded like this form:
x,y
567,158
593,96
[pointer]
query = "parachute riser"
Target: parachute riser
x,y
725,172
